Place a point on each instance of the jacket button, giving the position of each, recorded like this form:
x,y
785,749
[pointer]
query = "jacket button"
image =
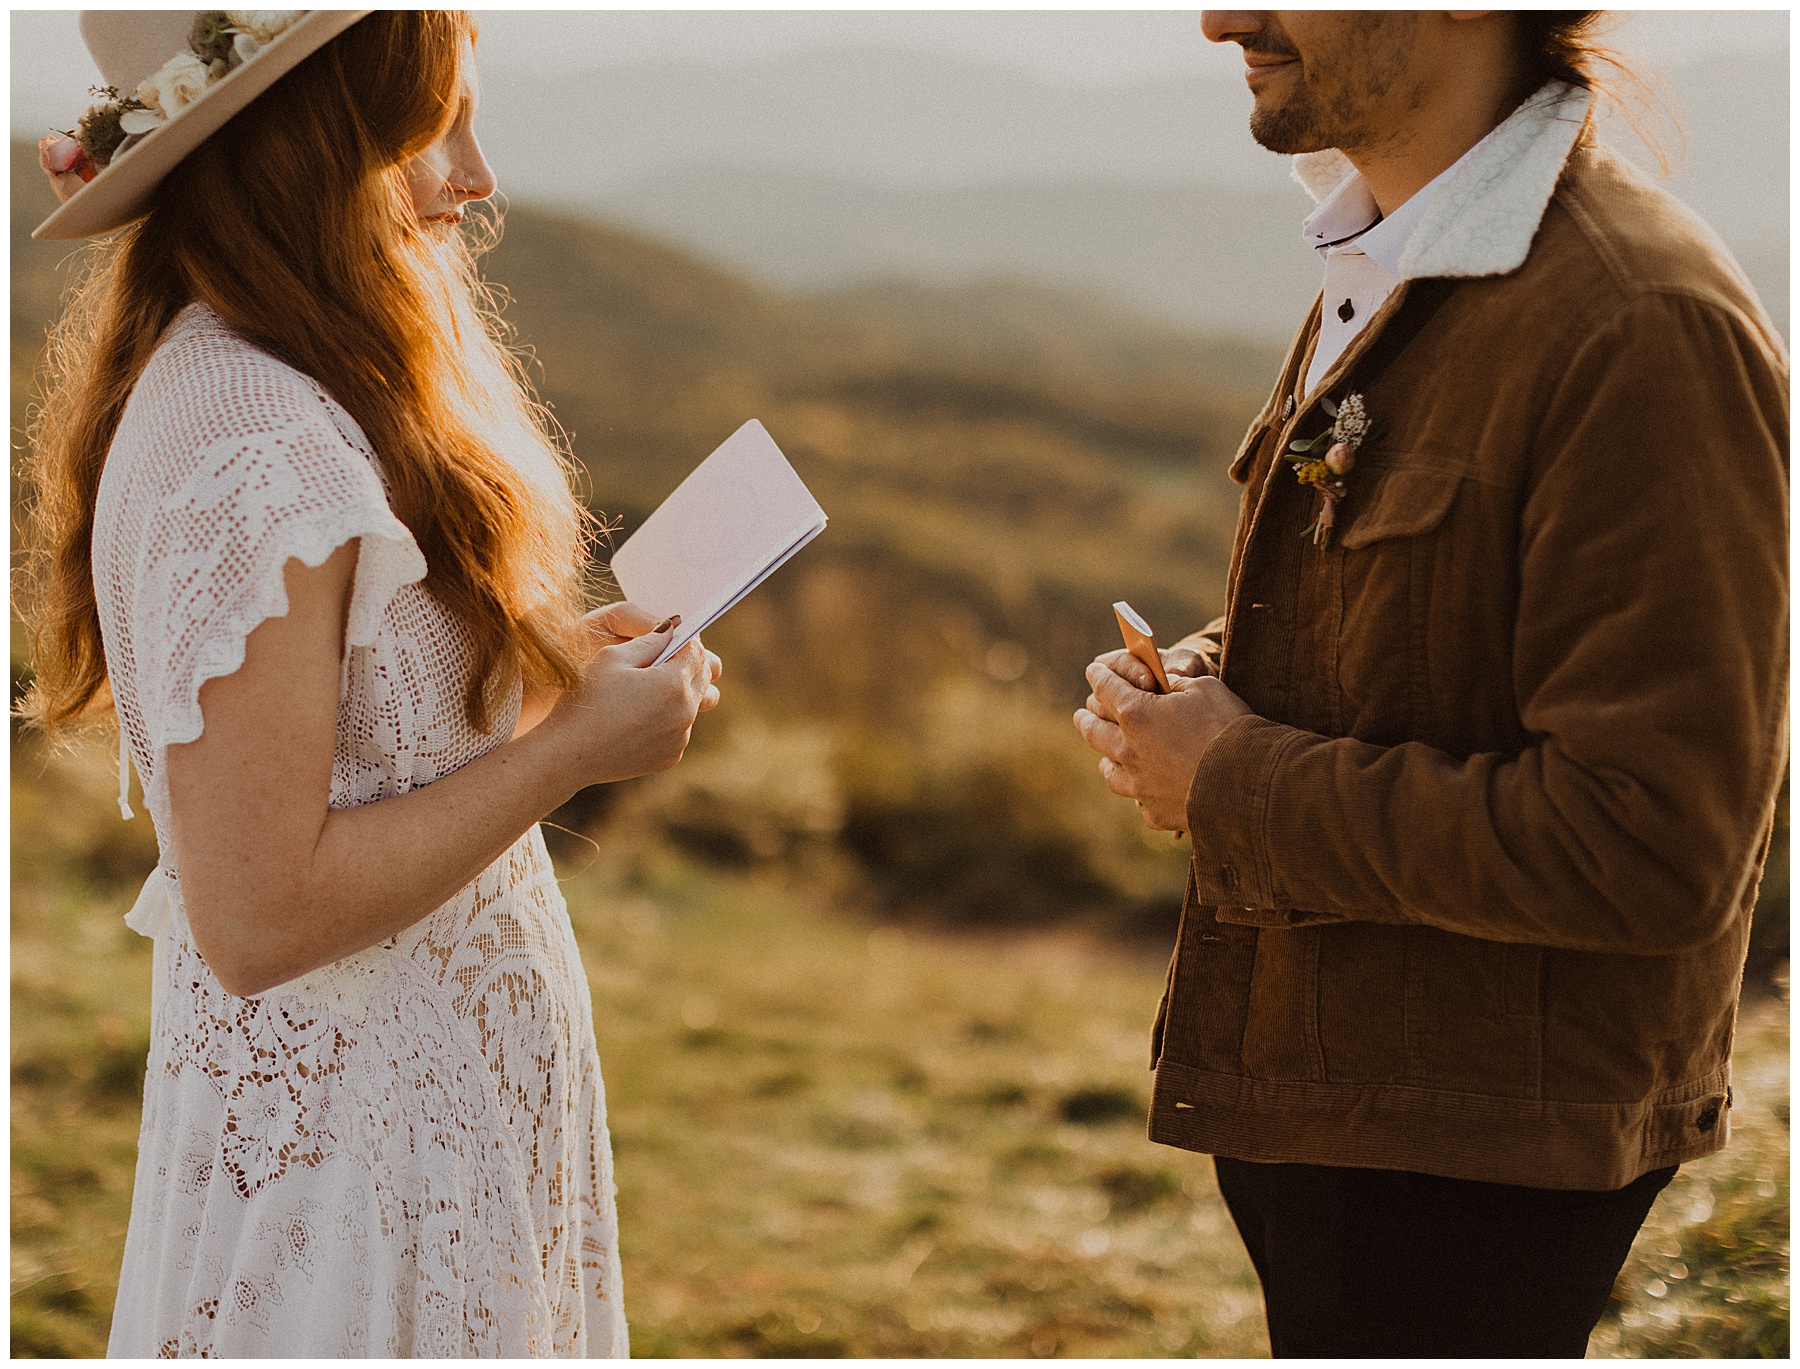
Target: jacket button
x,y
1707,1120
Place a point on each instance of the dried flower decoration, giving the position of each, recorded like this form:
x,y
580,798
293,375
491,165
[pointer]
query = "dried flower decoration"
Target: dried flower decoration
x,y
1350,428
221,42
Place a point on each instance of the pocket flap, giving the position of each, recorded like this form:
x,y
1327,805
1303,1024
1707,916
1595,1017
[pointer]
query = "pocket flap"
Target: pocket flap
x,y
1403,502
1239,469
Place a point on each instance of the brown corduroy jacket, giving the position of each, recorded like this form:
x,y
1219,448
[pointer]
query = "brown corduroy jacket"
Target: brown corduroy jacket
x,y
1471,889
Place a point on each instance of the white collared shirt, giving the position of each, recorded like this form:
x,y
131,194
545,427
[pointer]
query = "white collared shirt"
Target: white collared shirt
x,y
1361,251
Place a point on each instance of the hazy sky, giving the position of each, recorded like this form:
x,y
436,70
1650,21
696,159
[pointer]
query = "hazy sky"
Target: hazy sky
x,y
1098,149
1070,45
51,72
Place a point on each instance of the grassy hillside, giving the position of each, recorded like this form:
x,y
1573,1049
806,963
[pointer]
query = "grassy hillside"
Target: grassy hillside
x,y
834,1136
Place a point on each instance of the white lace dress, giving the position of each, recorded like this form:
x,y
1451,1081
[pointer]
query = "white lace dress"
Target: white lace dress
x,y
404,1153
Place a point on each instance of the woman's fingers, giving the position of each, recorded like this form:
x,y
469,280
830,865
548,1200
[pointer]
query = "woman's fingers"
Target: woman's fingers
x,y
621,621
640,651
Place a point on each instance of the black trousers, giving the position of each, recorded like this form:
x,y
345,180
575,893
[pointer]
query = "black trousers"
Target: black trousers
x,y
1376,1262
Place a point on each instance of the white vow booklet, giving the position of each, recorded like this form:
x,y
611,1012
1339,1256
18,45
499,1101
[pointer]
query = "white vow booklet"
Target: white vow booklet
x,y
738,516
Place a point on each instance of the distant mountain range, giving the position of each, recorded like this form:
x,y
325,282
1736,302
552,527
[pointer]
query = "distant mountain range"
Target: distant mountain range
x,y
826,168
1203,256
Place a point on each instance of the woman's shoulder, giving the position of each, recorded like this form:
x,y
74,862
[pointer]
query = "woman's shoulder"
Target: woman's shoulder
x,y
206,384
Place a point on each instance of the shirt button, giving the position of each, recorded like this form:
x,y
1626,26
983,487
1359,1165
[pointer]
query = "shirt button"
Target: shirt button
x,y
1346,311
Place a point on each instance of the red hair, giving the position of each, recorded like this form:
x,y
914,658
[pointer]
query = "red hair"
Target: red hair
x,y
293,223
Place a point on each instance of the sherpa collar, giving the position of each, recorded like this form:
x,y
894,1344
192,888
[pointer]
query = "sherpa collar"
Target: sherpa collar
x,y
1483,220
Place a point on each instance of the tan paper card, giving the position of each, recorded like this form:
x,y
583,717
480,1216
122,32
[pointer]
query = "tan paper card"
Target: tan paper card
x,y
1140,641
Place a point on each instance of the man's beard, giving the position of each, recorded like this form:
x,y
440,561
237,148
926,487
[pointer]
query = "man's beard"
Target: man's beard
x,y
1334,108
1293,127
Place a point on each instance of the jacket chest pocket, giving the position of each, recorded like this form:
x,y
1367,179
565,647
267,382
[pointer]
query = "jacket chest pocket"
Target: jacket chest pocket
x,y
1390,564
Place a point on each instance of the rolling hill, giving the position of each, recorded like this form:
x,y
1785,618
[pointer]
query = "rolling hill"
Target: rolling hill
x,y
1000,463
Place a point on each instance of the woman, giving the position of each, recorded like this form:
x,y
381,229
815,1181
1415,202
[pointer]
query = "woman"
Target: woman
x,y
300,526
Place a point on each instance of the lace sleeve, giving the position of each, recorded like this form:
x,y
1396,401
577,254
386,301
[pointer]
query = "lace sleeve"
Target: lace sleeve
x,y
215,552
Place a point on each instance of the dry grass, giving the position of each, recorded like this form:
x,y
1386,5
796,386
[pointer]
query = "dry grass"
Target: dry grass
x,y
833,1138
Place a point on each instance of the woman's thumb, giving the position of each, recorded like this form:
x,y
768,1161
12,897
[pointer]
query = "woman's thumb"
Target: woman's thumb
x,y
642,651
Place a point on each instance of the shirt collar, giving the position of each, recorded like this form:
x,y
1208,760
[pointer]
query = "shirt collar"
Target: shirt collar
x,y
1350,214
1481,221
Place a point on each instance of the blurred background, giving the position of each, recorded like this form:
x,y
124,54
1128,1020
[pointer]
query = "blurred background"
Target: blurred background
x,y
874,967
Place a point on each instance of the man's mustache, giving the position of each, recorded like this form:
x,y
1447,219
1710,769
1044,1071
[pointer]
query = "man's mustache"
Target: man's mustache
x,y
1267,47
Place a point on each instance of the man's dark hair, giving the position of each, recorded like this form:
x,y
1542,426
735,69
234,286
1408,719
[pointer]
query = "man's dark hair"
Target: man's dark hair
x,y
1566,45
1562,45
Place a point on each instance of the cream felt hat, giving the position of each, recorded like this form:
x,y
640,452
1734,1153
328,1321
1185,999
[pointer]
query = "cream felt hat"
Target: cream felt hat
x,y
130,46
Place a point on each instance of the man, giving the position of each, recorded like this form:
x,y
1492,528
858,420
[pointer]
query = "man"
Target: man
x,y
1480,764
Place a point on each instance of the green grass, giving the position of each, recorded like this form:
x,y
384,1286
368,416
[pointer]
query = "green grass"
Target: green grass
x,y
833,1137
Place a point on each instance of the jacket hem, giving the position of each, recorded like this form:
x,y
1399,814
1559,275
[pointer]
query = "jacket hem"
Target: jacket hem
x,y
1538,1144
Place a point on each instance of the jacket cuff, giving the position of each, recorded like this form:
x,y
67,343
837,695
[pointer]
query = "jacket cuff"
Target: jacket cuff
x,y
1228,810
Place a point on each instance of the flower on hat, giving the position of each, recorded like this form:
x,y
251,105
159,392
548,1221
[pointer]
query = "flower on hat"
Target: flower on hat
x,y
99,133
221,42
182,80
262,26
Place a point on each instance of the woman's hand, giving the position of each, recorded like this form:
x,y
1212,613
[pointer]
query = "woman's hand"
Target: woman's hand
x,y
609,625
625,621
65,164
629,717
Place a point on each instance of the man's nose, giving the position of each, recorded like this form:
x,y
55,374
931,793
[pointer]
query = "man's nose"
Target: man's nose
x,y
1230,26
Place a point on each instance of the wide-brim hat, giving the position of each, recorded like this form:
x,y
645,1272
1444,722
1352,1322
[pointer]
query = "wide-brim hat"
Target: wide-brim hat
x,y
130,45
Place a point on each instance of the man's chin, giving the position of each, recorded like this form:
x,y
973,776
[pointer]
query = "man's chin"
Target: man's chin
x,y
1287,131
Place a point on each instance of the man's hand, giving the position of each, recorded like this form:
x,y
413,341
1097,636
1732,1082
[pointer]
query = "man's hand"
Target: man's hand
x,y
1150,744
1177,660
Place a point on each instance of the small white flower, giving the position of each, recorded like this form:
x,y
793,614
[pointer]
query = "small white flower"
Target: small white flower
x,y
141,121
181,81
1352,420
243,48
262,25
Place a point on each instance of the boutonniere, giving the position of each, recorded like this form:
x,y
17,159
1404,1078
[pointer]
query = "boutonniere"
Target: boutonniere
x,y
1350,428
